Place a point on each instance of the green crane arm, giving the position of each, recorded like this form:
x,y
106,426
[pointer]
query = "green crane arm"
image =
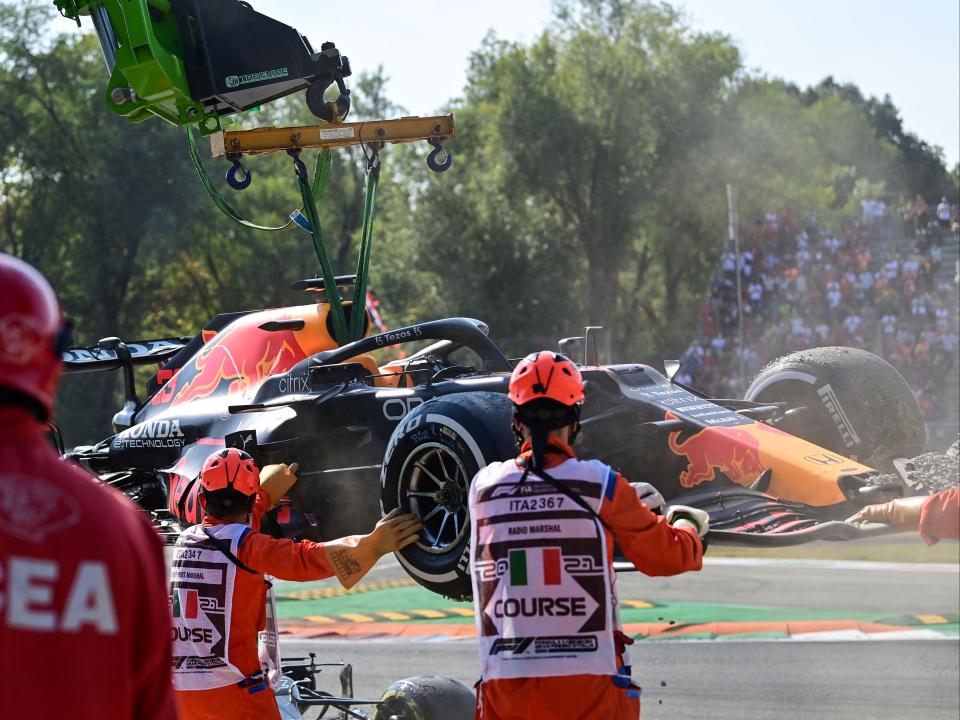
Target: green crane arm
x,y
191,62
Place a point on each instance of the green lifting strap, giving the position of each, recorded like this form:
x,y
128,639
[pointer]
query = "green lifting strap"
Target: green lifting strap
x,y
218,200
340,331
321,172
342,334
366,242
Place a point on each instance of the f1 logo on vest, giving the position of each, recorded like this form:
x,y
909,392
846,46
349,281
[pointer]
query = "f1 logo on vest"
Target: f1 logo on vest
x,y
27,588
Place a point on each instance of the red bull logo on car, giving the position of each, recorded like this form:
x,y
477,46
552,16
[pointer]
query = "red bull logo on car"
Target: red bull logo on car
x,y
241,357
744,452
733,451
236,360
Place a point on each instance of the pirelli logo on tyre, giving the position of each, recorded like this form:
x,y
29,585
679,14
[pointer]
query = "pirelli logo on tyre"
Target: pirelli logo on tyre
x,y
840,419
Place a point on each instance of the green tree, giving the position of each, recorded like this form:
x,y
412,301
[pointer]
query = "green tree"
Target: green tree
x,y
588,187
570,154
85,196
918,167
114,215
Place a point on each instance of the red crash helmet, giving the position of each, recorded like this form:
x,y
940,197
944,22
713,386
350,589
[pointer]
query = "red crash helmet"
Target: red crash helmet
x,y
546,375
32,334
230,469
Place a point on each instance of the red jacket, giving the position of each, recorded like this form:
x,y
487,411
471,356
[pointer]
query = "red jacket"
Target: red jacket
x,y
82,585
940,516
655,548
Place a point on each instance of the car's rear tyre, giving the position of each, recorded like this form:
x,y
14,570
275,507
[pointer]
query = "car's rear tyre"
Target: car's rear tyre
x,y
857,404
427,697
431,459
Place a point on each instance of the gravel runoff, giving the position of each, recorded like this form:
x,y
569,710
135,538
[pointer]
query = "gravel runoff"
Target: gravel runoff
x,y
925,474
933,472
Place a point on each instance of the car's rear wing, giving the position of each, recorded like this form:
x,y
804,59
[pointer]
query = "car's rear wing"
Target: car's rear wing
x,y
103,356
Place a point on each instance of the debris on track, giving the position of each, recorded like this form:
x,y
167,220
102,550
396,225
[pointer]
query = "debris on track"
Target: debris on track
x,y
933,472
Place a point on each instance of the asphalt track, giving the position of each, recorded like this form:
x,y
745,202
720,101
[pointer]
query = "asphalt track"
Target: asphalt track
x,y
742,639
719,680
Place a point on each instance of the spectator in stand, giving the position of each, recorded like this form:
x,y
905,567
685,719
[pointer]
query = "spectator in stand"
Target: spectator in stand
x,y
865,284
915,212
943,214
859,285
728,262
834,295
823,334
891,269
948,341
873,210
889,323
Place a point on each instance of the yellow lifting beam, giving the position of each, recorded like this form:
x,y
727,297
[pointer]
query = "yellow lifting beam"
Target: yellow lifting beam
x,y
329,135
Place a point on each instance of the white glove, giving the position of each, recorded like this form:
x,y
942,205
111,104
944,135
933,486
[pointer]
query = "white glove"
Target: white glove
x,y
648,495
278,479
685,516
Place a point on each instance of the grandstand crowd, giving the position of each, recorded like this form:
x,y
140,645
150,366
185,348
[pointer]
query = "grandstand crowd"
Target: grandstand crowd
x,y
880,282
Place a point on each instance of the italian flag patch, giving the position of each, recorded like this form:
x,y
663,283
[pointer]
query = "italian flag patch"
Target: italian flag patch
x,y
523,563
188,609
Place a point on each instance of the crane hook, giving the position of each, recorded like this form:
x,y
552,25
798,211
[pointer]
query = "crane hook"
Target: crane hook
x,y
299,167
244,181
432,157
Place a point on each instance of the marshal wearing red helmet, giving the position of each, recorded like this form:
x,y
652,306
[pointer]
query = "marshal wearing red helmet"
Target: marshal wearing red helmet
x,y
546,375
32,336
219,591
81,570
542,532
230,469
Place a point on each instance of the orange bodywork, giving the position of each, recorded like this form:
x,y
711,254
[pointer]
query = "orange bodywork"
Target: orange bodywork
x,y
802,472
391,374
236,361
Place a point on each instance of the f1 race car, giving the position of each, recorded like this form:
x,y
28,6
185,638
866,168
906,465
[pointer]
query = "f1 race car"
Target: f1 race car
x,y
809,445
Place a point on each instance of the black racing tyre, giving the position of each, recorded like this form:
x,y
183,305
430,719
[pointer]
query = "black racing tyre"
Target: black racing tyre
x,y
427,697
857,404
431,458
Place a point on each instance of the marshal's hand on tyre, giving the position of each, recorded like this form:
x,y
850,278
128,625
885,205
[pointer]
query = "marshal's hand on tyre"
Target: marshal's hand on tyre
x,y
352,557
395,531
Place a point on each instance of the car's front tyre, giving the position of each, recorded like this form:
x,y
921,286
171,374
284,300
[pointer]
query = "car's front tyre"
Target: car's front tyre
x,y
855,403
431,459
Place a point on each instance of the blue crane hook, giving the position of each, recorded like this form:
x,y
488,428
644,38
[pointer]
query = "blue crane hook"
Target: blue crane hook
x,y
241,183
432,157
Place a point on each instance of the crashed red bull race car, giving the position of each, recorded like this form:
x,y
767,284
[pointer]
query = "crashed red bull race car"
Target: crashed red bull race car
x,y
812,442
